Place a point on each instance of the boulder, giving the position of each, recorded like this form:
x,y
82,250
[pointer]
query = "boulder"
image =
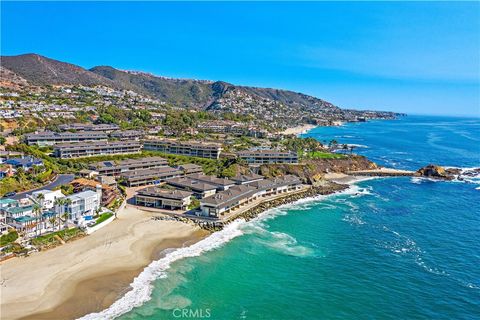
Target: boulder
x,y
434,171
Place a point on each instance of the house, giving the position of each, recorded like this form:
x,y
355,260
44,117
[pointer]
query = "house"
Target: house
x,y
108,192
200,189
88,174
156,197
80,206
46,198
6,170
26,163
220,183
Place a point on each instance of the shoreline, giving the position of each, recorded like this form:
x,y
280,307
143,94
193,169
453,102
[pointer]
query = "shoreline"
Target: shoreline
x,y
88,275
298,130
87,292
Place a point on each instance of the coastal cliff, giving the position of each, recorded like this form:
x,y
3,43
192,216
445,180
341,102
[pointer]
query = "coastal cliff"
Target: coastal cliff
x,y
312,171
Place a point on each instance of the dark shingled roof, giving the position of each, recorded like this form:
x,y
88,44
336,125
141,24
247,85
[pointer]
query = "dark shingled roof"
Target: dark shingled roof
x,y
164,193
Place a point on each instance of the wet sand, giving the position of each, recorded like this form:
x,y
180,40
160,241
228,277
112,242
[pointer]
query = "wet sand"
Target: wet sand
x,y
89,274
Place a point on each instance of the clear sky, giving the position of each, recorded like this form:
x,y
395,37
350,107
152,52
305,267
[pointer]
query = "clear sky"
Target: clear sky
x,y
412,57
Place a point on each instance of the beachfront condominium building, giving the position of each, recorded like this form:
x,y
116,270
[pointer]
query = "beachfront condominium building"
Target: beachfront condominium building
x,y
79,206
219,183
48,138
106,127
46,198
268,156
185,148
155,197
150,176
247,178
115,168
224,202
199,189
88,149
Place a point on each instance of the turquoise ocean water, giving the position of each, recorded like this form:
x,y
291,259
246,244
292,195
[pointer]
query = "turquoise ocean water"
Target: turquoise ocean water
x,y
394,248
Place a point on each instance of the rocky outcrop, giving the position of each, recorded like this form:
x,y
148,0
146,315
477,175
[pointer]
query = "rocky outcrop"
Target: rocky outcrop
x,y
312,171
435,172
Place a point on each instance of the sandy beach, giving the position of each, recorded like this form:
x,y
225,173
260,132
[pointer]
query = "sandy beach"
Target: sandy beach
x,y
89,274
299,129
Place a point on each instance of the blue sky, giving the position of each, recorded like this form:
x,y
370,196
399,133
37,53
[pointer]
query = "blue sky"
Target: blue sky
x,y
419,58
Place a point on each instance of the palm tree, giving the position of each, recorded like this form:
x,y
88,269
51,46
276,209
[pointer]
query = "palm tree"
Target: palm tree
x,y
40,198
66,203
52,221
37,211
58,203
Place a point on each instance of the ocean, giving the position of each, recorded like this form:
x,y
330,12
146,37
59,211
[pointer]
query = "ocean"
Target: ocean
x,y
389,248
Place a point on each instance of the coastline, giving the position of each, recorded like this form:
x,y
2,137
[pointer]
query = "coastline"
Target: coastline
x,y
88,275
299,129
101,268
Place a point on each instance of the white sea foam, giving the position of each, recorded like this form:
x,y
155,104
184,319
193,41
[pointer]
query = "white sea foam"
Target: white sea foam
x,y
142,285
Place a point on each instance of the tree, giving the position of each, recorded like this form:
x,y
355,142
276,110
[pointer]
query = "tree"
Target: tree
x,y
52,221
40,198
58,202
66,202
37,211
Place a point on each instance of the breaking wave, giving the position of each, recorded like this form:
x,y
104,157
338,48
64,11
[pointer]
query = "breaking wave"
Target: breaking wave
x,y
142,285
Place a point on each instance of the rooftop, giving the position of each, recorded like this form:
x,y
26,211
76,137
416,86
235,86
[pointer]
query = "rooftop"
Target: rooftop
x,y
164,193
230,196
211,179
195,185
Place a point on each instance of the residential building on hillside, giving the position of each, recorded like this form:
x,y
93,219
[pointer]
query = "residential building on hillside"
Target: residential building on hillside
x,y
150,176
155,197
106,127
190,168
26,163
186,148
268,156
127,134
89,149
115,168
48,138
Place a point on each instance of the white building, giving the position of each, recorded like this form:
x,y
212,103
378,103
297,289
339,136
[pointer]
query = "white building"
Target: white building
x,y
48,199
80,206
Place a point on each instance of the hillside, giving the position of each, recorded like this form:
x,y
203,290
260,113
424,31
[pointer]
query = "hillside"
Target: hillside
x,y
284,107
40,71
